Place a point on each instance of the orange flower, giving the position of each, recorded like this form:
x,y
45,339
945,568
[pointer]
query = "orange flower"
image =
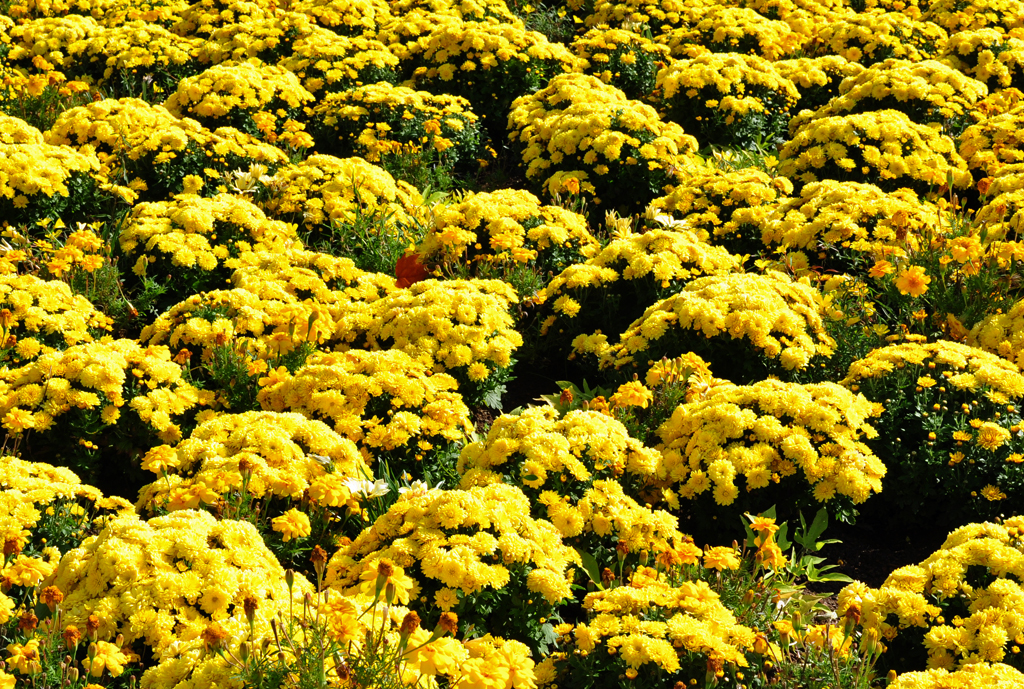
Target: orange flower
x,y
913,281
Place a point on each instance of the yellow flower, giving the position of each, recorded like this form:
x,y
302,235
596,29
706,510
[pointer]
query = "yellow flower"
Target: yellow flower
x,y
721,558
632,394
991,436
913,281
292,524
992,493
104,656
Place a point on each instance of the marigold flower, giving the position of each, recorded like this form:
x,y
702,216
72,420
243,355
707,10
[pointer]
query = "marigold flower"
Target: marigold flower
x,y
913,281
292,524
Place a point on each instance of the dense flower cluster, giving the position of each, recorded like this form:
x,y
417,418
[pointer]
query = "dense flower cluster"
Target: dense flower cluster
x,y
329,63
273,457
957,406
817,79
719,316
722,29
37,316
377,120
488,64
994,142
262,100
730,206
1003,15
581,133
726,98
388,403
323,192
156,154
927,92
191,572
647,626
625,59
267,39
608,291
573,470
966,620
873,36
49,39
989,56
503,228
66,398
459,548
845,226
119,58
347,17
766,432
463,327
882,147
32,496
1002,334
38,180
190,237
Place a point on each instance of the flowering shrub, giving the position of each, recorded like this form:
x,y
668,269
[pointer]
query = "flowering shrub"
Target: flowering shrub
x,y
346,17
261,466
731,207
379,120
488,233
265,101
393,407
996,675
38,316
726,99
190,238
927,92
987,55
268,39
817,79
724,319
579,133
876,35
992,143
156,154
884,148
658,17
956,605
300,275
344,206
735,30
42,45
39,181
1001,333
193,576
1003,213
650,629
329,63
846,226
608,291
462,327
204,17
45,508
70,403
955,406
475,552
573,470
136,59
507,61
215,329
766,432
1002,15
625,59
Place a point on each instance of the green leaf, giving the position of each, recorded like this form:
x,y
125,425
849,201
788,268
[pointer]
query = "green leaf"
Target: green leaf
x,y
591,567
492,398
